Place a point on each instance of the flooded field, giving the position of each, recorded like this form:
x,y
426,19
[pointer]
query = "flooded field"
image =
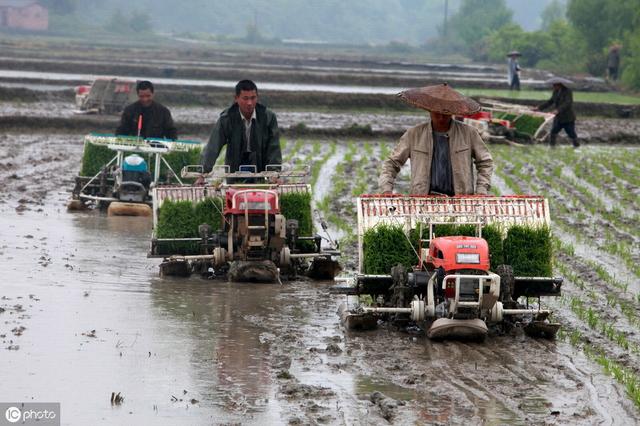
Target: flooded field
x,y
83,312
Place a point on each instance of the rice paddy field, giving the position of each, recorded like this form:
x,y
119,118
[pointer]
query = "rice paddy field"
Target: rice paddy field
x,y
83,308
594,196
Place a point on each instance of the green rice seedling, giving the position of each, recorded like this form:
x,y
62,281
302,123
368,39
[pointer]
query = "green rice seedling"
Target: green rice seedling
x,y
94,158
209,211
317,165
385,246
351,152
291,152
528,124
592,318
528,250
623,375
297,206
493,235
575,337
368,150
176,219
177,160
385,150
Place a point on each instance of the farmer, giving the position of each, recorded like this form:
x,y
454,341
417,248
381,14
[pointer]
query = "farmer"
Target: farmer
x,y
147,118
248,129
562,102
613,61
513,70
442,150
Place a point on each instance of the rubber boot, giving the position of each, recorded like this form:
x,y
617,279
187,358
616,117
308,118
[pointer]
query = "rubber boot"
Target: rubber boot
x,y
576,144
552,140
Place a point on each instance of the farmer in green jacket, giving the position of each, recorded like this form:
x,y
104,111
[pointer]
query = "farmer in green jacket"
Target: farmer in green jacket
x,y
562,103
248,129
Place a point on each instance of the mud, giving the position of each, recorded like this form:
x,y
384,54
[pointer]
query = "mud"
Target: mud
x,y
81,306
197,122
304,72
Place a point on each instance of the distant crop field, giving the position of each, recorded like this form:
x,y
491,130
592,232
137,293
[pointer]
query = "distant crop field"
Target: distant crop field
x,y
595,97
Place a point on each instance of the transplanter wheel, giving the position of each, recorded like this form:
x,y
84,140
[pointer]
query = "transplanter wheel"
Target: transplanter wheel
x,y
219,256
507,282
285,256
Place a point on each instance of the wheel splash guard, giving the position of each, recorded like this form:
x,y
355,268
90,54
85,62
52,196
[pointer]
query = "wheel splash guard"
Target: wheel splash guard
x,y
469,329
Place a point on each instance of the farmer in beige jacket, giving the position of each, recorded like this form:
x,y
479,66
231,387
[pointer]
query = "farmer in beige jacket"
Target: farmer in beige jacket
x,y
443,151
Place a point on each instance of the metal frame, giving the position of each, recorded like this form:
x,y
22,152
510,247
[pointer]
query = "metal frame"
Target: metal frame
x,y
273,171
521,110
409,211
246,209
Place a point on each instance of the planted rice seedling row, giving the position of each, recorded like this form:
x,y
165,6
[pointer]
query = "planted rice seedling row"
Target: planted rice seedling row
x,y
564,215
625,376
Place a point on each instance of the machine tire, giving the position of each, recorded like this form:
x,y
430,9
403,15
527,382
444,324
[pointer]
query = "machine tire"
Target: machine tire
x,y
76,205
118,208
507,282
219,256
285,257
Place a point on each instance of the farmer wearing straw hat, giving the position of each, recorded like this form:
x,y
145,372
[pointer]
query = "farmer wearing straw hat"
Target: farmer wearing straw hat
x,y
443,151
562,102
513,70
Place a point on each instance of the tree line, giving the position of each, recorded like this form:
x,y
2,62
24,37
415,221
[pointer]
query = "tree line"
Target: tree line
x,y
575,36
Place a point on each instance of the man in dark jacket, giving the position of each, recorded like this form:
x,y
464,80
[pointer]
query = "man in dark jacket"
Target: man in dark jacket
x,y
147,118
613,61
248,129
562,102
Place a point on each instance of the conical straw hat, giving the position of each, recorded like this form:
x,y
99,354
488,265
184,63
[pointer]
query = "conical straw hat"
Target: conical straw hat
x,y
440,98
559,80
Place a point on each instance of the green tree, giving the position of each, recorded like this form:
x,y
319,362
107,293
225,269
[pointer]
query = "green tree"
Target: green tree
x,y
555,11
477,18
602,22
631,60
534,46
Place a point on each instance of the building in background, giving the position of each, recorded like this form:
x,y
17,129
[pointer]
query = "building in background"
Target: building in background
x,y
23,15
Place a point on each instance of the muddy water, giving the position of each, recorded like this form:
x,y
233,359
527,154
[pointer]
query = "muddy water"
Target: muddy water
x,y
52,76
330,88
208,115
153,338
97,319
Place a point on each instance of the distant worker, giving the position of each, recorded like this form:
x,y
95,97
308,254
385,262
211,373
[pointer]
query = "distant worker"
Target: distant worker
x,y
613,62
147,118
513,70
248,129
562,102
442,150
